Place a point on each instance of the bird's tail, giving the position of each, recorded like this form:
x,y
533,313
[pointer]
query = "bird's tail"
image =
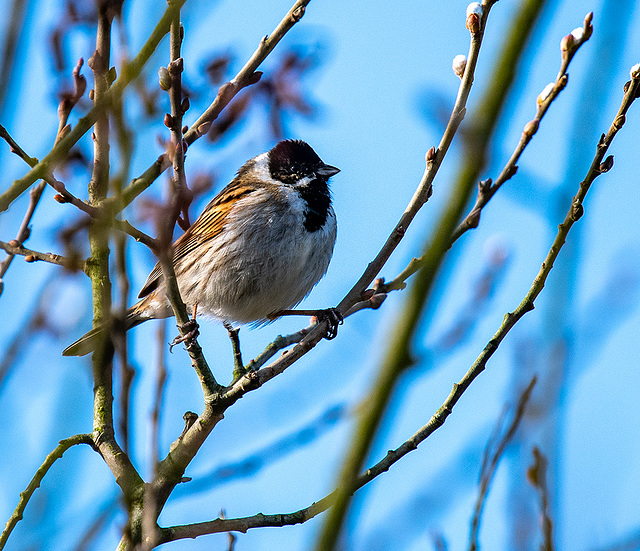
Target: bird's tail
x,y
95,338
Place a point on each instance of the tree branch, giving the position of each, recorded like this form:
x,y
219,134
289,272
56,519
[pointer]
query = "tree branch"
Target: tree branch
x,y
60,151
25,496
245,77
491,458
398,357
486,190
14,247
123,470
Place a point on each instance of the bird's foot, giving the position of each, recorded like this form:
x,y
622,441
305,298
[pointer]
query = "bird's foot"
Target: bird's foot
x,y
189,332
334,317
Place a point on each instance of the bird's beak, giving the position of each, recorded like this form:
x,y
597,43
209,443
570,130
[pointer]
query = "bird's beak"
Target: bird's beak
x,y
326,171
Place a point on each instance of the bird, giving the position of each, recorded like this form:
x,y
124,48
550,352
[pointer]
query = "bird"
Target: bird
x,y
257,249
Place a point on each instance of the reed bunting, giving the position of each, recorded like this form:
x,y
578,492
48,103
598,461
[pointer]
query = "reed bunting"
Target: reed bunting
x,y
257,250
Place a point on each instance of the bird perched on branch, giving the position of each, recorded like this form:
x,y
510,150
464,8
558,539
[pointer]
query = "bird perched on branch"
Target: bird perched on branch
x,y
256,251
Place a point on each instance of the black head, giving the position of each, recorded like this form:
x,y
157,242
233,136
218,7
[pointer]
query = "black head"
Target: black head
x,y
291,160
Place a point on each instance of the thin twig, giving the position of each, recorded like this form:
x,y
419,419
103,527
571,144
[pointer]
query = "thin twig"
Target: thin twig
x,y
569,46
64,109
96,213
14,248
186,326
398,358
151,507
25,496
24,231
486,188
279,343
245,77
234,335
118,462
370,300
491,459
69,100
60,151
537,476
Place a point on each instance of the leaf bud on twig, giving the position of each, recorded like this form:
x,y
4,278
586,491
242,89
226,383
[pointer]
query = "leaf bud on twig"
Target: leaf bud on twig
x,y
30,258
607,164
112,75
577,34
204,128
431,155
619,121
635,71
254,78
459,64
297,14
164,79
567,43
532,127
577,210
545,93
474,13
376,300
588,27
484,185
175,66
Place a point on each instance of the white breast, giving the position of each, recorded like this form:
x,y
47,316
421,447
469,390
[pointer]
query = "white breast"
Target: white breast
x,y
264,261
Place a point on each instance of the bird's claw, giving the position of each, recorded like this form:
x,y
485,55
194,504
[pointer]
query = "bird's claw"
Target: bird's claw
x,y
334,317
188,334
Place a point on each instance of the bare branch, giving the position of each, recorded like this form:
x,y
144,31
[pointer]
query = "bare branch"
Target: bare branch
x,y
14,247
24,231
60,151
69,100
25,496
118,462
491,458
537,476
245,77
486,190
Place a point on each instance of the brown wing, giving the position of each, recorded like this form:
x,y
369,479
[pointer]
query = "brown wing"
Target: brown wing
x,y
208,226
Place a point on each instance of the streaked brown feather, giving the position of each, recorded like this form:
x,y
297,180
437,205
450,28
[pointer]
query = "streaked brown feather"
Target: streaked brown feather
x,y
208,226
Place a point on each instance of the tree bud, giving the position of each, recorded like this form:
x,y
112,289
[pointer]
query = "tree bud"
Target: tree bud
x,y
474,13
545,93
164,79
459,64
